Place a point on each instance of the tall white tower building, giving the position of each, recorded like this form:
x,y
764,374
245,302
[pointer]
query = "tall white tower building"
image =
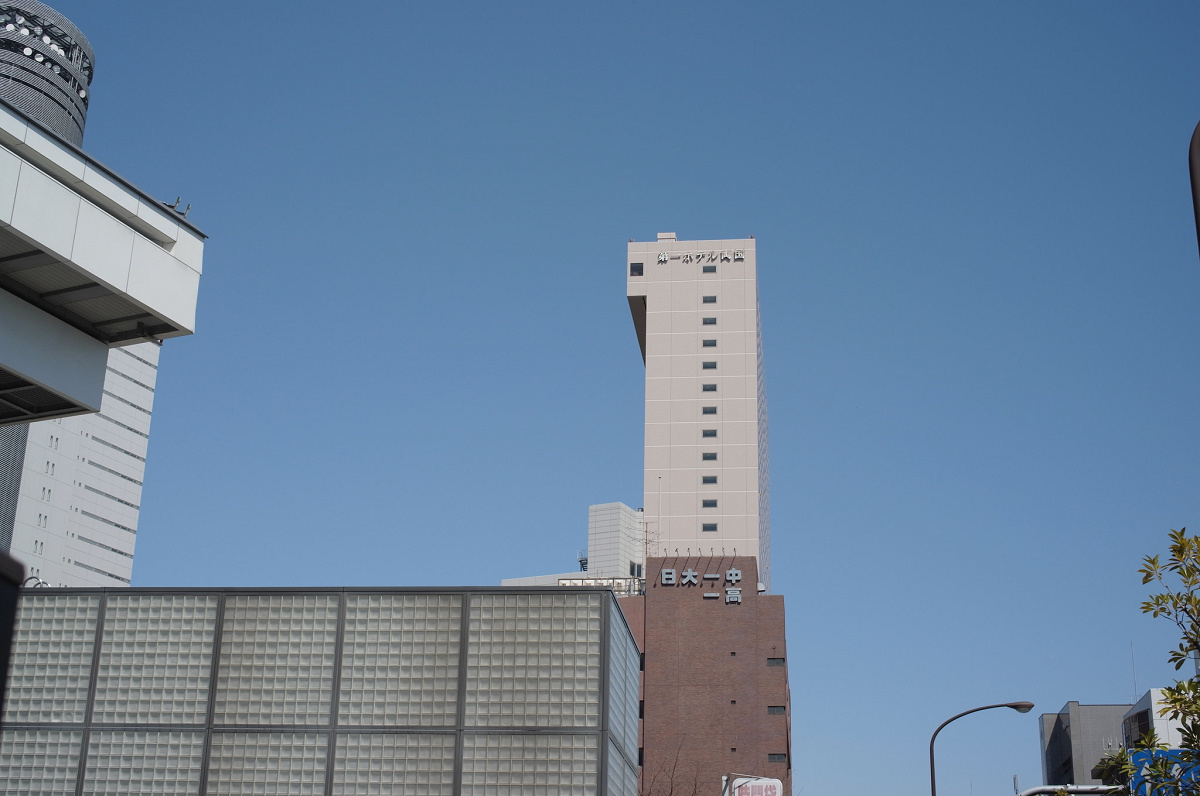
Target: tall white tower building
x,y
695,310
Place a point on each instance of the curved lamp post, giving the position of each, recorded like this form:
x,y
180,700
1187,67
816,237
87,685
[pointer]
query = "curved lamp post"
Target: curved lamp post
x,y
1194,173
1020,707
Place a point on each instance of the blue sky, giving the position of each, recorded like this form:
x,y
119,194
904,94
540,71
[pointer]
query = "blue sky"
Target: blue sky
x,y
414,361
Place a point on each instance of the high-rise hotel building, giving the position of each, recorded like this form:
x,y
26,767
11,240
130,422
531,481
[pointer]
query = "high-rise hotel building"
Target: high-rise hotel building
x,y
695,310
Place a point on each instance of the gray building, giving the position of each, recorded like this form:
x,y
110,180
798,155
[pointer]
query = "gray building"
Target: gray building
x,y
321,691
1075,738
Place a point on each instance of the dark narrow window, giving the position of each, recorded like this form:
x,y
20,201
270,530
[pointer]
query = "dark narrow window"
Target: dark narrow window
x,y
708,388
708,432
708,456
775,661
641,709
777,758
708,526
708,365
635,269
709,321
708,504
709,343
776,710
709,269
709,299
708,410
708,479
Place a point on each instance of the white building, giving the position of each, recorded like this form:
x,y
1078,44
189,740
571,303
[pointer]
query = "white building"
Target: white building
x,y
94,275
695,310
615,553
75,517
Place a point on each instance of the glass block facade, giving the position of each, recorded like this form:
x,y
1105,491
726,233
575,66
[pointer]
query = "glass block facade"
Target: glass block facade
x,y
494,692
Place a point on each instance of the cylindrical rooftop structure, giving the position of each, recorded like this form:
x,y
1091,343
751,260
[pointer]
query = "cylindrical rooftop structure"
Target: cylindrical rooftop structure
x,y
45,67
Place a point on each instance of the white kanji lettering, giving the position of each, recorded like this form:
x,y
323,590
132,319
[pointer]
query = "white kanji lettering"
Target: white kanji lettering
x,y
662,257
725,256
733,594
733,575
739,254
689,575
668,577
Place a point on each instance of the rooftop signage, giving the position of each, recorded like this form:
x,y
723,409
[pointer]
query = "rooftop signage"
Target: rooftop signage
x,y
691,577
704,257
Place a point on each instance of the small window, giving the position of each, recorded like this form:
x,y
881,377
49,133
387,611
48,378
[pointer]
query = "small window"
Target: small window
x,y
709,321
776,710
708,432
708,527
775,661
708,456
708,388
708,410
709,269
708,365
709,343
635,269
708,504
709,299
777,758
708,479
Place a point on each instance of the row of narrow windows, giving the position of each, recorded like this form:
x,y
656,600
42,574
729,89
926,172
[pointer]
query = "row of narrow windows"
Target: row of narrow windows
x,y
639,269
711,503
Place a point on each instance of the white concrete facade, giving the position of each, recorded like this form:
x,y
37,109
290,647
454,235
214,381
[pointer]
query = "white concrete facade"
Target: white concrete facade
x,y
695,310
76,516
615,544
97,263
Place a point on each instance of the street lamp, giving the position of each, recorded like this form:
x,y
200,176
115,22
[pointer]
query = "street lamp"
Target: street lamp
x,y
1194,173
1020,707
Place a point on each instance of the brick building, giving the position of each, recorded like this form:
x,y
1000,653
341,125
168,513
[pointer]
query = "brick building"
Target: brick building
x,y
715,696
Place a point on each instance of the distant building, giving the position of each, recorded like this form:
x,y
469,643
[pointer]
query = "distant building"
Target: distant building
x,y
1078,736
307,691
615,554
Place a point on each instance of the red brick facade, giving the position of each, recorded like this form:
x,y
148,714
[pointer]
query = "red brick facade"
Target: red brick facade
x,y
709,682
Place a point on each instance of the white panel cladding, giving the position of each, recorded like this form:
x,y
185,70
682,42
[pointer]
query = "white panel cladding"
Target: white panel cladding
x,y
614,541
686,305
63,203
81,485
50,353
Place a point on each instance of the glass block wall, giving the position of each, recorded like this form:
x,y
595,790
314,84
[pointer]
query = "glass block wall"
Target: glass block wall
x,y
488,692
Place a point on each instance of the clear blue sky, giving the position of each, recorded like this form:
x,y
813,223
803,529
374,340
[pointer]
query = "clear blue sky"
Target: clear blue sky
x,y
414,361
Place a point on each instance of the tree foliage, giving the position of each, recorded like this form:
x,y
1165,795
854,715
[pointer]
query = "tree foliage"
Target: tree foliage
x,y
1149,767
